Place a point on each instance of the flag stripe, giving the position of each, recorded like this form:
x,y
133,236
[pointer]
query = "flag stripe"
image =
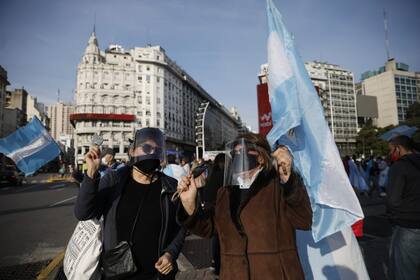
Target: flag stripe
x,y
31,148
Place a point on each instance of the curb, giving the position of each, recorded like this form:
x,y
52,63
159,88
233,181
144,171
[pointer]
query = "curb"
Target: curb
x,y
45,273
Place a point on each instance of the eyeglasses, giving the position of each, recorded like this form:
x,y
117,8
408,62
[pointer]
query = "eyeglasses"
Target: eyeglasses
x,y
150,149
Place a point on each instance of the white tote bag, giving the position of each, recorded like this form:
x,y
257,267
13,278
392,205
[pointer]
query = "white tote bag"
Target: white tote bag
x,y
81,260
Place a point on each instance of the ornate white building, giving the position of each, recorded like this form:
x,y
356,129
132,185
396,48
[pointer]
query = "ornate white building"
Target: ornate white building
x,y
121,90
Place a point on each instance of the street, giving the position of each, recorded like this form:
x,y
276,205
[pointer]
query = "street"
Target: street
x,y
37,220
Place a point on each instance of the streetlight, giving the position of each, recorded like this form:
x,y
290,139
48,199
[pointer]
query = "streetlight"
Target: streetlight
x,y
199,127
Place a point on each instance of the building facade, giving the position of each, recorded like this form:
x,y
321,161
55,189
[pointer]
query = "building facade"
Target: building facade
x,y
3,84
34,108
336,90
395,88
121,90
59,120
17,99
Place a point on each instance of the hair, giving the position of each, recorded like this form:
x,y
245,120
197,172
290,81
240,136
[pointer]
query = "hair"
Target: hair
x,y
171,159
262,147
185,159
403,141
108,151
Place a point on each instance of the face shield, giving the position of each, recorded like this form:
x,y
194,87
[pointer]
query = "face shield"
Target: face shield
x,y
148,144
241,164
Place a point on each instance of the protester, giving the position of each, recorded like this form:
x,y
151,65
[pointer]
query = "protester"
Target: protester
x,y
172,169
135,198
383,170
356,178
185,164
108,162
403,207
256,213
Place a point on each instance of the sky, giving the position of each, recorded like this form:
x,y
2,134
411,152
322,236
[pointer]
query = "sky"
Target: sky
x,y
220,43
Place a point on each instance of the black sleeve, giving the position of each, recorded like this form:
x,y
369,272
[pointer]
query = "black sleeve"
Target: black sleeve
x,y
92,196
396,181
175,247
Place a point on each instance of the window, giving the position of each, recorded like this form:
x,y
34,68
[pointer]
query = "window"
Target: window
x,y
148,78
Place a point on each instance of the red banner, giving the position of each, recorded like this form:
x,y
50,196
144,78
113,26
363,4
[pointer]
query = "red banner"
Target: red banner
x,y
265,121
102,117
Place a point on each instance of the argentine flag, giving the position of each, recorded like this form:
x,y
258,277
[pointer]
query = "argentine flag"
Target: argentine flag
x,y
330,250
30,147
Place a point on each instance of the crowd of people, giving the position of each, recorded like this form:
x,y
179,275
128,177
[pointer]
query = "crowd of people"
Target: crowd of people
x,y
248,200
368,176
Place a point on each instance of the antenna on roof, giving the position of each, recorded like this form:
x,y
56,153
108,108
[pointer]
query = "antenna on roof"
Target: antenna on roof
x,y
94,23
386,35
58,95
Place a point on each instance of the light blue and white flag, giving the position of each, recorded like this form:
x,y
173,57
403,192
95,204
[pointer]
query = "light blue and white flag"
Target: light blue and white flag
x,y
30,147
330,250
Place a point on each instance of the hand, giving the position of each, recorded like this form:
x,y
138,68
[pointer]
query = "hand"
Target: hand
x,y
187,189
164,264
93,161
283,163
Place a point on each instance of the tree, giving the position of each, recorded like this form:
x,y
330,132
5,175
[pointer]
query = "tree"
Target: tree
x,y
369,143
413,119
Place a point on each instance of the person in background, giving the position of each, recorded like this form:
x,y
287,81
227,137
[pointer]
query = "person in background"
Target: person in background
x,y
108,162
403,208
185,164
383,169
172,169
258,209
135,203
212,186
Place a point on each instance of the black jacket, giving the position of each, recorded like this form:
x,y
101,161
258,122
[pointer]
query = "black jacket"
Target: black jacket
x,y
100,197
403,200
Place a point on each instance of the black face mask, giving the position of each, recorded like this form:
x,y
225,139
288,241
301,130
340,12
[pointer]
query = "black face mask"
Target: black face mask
x,y
238,164
148,165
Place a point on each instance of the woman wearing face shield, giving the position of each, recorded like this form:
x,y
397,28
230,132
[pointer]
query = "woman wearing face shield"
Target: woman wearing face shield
x,y
261,204
135,202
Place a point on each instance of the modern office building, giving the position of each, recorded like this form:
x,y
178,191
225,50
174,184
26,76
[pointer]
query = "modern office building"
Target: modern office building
x,y
336,90
395,88
121,90
59,115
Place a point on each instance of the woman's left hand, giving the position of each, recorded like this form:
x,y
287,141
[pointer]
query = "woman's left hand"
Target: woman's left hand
x,y
164,264
283,163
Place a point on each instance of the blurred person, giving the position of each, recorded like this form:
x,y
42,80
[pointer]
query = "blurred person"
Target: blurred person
x,y
172,169
383,169
256,214
356,179
185,163
108,162
403,208
135,202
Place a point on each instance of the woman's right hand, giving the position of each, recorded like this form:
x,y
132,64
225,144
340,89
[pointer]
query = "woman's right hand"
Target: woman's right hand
x,y
93,161
187,189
